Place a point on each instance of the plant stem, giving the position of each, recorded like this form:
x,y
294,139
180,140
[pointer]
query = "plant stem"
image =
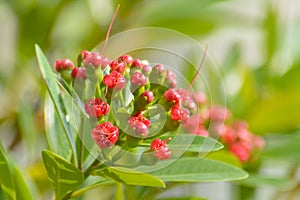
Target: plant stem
x,y
119,191
87,172
80,145
81,191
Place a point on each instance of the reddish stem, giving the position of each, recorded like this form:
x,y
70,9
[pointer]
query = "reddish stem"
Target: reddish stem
x,y
109,28
199,68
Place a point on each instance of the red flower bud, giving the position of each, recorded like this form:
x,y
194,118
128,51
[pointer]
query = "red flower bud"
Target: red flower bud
x,y
242,153
171,79
171,95
127,59
96,107
200,97
83,54
161,151
259,142
114,80
117,66
140,128
176,112
63,64
217,113
105,135
146,69
228,135
79,72
185,114
93,58
137,63
140,124
159,68
149,96
138,79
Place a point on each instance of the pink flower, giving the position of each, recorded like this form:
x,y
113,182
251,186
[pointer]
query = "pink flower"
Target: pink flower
x,y
96,107
105,135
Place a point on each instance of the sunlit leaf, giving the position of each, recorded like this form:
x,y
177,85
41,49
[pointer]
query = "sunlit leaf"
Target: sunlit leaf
x,y
64,176
56,96
6,177
130,177
22,189
199,170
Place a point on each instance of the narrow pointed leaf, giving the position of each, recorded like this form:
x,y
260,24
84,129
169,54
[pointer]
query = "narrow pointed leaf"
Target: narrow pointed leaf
x,y
64,176
57,140
56,96
131,177
6,178
22,189
199,170
192,143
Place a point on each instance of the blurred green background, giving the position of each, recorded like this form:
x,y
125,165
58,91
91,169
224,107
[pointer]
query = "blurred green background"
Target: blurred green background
x,y
255,44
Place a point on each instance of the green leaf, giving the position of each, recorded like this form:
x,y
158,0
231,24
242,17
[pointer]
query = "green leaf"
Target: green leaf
x,y
56,96
57,140
22,189
6,178
64,176
199,170
226,157
194,143
130,177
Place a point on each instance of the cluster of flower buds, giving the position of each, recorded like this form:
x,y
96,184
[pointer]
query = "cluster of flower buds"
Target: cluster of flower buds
x,y
149,86
241,142
236,136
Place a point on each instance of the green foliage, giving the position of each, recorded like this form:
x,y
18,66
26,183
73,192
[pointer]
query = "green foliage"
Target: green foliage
x,y
64,176
57,98
199,170
12,182
130,177
6,177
